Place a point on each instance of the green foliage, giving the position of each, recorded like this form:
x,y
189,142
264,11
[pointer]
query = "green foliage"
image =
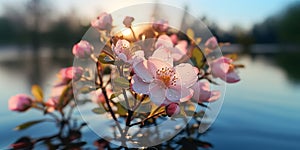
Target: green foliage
x,y
198,57
105,59
37,92
121,82
99,110
29,124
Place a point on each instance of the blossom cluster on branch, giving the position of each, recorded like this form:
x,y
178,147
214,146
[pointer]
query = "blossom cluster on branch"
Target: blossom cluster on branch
x,y
159,67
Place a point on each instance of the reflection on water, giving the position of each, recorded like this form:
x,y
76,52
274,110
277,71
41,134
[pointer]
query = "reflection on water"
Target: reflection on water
x,y
260,112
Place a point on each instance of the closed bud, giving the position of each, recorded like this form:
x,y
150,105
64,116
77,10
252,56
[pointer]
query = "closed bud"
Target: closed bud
x,y
172,109
20,102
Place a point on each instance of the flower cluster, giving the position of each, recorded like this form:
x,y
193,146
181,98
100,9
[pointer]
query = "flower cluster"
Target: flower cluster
x,y
162,71
160,67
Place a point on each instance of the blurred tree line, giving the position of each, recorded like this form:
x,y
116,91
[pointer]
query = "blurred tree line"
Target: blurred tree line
x,y
33,26
282,28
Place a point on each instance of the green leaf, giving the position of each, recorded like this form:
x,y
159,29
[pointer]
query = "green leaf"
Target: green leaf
x,y
105,59
86,89
121,82
190,33
28,124
99,110
37,92
198,57
156,109
121,110
64,97
198,40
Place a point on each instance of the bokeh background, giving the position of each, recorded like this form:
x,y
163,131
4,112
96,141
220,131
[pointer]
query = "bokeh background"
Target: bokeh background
x,y
260,112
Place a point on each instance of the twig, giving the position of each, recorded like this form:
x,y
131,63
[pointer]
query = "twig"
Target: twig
x,y
150,117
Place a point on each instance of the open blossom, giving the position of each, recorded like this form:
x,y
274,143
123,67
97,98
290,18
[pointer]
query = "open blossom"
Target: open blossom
x,y
67,74
172,109
202,93
103,22
177,51
125,53
211,43
20,102
160,25
223,69
160,80
127,21
82,49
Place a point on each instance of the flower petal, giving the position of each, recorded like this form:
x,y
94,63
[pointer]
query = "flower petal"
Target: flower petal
x,y
141,69
163,41
175,94
215,95
157,92
163,54
184,99
155,64
139,86
231,77
186,74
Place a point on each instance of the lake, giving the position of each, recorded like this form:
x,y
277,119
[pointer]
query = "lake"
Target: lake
x,y
260,112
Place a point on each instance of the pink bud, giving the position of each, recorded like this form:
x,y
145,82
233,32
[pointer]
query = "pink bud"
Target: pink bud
x,y
103,22
70,73
127,21
23,143
202,93
83,49
221,68
211,43
172,109
20,102
160,26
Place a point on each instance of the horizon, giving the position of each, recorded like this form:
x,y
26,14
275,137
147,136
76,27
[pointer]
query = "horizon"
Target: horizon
x,y
226,14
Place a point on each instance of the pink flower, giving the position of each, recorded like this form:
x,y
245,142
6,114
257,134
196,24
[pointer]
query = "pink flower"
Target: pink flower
x,y
127,21
124,52
103,22
222,68
211,43
160,80
52,104
20,102
172,109
83,49
177,52
67,74
202,93
160,26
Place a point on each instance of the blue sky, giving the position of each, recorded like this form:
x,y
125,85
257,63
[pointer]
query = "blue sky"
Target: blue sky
x,y
225,13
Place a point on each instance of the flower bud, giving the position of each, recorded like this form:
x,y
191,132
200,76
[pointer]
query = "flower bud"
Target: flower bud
x,y
20,102
222,68
83,49
23,143
103,22
211,43
127,21
52,104
70,73
172,109
160,26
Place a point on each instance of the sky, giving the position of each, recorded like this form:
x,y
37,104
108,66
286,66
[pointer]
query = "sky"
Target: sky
x,y
226,13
